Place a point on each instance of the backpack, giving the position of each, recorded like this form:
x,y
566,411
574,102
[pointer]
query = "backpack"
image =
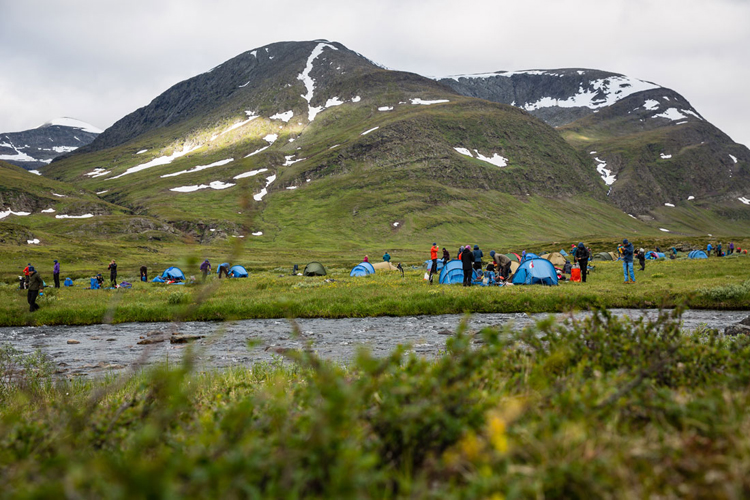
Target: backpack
x,y
94,284
68,282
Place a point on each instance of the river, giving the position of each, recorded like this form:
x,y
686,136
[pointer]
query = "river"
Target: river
x,y
98,349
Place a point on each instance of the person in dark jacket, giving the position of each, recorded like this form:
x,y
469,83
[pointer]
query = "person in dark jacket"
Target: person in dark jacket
x,y
446,255
386,256
36,284
223,269
582,257
642,259
478,254
144,273
26,275
100,280
206,268
56,274
467,260
627,261
112,267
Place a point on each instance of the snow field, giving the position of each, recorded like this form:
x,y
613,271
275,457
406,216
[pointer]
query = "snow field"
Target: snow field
x,y
495,159
199,168
162,160
212,185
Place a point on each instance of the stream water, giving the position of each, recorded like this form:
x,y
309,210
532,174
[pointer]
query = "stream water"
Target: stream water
x,y
103,348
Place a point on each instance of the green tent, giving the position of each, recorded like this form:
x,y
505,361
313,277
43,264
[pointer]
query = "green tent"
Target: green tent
x,y
314,269
602,256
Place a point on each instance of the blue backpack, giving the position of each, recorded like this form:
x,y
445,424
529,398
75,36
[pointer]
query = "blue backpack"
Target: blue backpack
x,y
68,282
94,284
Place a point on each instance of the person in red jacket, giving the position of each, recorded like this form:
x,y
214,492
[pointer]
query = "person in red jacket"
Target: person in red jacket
x,y
433,257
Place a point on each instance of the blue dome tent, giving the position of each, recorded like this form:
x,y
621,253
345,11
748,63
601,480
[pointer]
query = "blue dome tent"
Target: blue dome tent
x,y
530,256
237,272
535,272
428,264
173,273
362,269
697,254
452,273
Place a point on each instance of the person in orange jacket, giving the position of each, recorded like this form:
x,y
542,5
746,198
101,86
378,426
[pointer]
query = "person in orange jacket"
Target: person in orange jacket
x,y
433,257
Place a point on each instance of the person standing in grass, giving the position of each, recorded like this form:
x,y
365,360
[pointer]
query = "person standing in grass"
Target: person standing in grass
x,y
731,247
478,254
627,261
205,269
36,284
709,247
56,274
112,267
642,259
467,261
433,258
386,256
26,274
582,257
446,255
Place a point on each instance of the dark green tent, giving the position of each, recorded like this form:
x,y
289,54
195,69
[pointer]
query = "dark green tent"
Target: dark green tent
x,y
602,256
514,257
314,269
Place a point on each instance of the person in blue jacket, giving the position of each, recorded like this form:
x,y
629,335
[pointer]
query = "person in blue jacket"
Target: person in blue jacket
x,y
709,247
478,254
627,261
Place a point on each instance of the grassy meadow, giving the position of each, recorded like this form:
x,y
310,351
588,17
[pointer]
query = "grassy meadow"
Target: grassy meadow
x,y
274,293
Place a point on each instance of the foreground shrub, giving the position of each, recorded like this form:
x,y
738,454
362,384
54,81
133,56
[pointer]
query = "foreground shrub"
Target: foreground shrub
x,y
602,407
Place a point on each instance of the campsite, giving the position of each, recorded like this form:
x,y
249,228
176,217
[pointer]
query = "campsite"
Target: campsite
x,y
333,288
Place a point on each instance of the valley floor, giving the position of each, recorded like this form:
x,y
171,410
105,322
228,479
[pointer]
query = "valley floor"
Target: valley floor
x,y
706,284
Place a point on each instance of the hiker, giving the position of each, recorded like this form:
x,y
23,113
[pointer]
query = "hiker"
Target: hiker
x,y
573,249
709,247
366,259
400,268
627,261
523,254
26,274
223,270
502,263
642,259
718,250
206,268
386,257
56,274
144,273
478,254
568,267
36,284
433,257
100,280
731,247
582,257
467,259
112,267
446,255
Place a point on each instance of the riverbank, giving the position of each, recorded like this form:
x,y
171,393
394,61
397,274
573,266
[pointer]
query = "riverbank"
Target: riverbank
x,y
602,408
722,284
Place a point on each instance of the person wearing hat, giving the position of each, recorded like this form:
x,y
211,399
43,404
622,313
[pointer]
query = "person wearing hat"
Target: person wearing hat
x,y
56,274
433,257
627,261
478,254
35,286
502,263
467,261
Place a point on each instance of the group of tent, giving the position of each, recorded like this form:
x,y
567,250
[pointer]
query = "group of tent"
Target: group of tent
x,y
531,271
175,276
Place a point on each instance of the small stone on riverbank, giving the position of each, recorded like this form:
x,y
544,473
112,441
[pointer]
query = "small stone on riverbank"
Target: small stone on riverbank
x,y
71,341
741,328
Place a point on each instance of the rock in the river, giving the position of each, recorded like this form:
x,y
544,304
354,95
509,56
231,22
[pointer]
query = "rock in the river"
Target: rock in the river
x,y
445,331
71,341
151,341
183,339
741,328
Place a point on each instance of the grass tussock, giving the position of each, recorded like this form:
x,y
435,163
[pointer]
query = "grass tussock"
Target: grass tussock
x,y
602,407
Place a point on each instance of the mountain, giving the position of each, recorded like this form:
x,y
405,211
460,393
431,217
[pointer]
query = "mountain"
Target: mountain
x,y
35,148
311,145
650,146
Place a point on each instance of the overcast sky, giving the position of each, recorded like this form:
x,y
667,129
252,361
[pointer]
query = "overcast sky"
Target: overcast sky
x,y
98,60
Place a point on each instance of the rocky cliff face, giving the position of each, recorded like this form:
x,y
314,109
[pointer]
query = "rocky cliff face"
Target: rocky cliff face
x,y
35,148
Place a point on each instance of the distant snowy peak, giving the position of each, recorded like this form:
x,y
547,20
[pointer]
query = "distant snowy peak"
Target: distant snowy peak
x,y
35,148
72,123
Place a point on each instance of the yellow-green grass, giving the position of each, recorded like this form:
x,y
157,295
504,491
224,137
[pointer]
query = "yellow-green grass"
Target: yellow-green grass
x,y
713,283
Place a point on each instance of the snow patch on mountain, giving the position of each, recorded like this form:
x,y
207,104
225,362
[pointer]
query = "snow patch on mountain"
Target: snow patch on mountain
x,y
264,191
251,173
309,83
673,114
495,159
65,216
734,158
72,123
333,101
212,185
669,205
48,211
11,212
199,168
665,157
162,160
601,93
607,176
651,105
417,100
250,117
662,229
385,108
356,98
98,172
290,161
690,198
284,117
368,131
35,172
141,151
744,200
